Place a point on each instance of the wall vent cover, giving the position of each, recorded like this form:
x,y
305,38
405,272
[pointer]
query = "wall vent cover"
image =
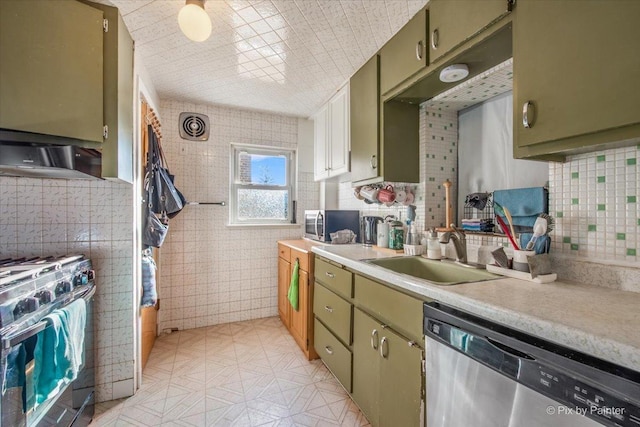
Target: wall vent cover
x,y
194,126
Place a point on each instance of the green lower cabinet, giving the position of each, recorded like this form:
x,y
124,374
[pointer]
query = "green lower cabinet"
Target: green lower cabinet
x,y
366,341
400,381
387,374
333,353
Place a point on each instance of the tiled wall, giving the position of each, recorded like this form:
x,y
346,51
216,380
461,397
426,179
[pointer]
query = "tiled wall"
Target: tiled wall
x,y
438,162
595,200
40,217
211,273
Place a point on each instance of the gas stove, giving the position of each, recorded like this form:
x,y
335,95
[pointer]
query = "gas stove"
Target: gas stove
x,y
32,287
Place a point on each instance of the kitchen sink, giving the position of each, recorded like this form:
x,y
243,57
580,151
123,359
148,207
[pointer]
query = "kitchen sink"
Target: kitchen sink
x,y
437,272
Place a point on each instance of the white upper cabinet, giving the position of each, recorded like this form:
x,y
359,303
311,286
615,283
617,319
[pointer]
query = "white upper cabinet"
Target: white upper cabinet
x,y
332,136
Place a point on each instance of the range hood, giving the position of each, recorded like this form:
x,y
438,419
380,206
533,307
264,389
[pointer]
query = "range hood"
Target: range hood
x,y
28,155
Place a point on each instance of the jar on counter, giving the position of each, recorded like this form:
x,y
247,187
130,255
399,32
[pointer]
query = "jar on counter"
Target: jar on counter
x,y
396,235
433,245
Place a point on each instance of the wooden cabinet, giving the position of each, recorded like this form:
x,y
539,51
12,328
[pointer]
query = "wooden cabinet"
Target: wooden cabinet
x,y
394,156
284,279
66,70
575,69
333,313
387,364
452,22
51,68
405,54
298,322
331,137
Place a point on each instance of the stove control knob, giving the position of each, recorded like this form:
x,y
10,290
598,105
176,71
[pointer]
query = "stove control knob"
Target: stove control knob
x,y
25,306
44,297
81,278
63,287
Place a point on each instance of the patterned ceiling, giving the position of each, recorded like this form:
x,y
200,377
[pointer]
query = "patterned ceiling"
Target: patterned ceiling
x,y
285,56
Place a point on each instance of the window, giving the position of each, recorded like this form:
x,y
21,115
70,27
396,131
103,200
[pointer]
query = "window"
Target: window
x,y
261,185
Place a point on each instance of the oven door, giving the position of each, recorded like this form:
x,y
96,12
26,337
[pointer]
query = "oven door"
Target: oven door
x,y
72,405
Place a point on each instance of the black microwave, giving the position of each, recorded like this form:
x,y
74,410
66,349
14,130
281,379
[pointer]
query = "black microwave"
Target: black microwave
x,y
318,225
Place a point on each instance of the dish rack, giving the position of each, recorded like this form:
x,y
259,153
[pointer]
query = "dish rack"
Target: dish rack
x,y
487,214
414,249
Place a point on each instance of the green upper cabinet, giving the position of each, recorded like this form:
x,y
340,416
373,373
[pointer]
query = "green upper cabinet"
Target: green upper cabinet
x,y
405,54
394,156
576,72
51,68
66,69
117,150
452,22
365,117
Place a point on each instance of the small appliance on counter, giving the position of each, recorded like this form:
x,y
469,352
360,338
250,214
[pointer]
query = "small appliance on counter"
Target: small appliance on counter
x,y
370,229
319,224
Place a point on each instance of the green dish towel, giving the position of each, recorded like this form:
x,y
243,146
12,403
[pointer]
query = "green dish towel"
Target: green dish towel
x,y
293,286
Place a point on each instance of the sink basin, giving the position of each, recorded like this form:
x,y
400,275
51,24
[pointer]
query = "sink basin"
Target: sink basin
x,y
437,272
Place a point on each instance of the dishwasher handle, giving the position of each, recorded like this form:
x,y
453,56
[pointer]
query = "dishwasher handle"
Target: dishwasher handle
x,y
479,347
509,350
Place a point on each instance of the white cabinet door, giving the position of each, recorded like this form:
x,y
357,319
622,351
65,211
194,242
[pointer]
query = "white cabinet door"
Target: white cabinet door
x,y
340,135
332,137
321,143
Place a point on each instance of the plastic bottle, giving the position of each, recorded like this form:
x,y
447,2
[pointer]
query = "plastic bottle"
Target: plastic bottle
x,y
433,246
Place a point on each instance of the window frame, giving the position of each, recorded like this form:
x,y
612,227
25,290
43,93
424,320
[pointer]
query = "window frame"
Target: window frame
x,y
235,184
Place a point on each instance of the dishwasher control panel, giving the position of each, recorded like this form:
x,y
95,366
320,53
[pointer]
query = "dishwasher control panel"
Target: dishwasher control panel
x,y
591,391
582,398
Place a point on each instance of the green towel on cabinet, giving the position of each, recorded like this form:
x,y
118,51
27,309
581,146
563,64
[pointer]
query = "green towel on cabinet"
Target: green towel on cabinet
x,y
293,286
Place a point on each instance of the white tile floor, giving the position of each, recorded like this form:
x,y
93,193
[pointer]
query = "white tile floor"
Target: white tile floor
x,y
238,374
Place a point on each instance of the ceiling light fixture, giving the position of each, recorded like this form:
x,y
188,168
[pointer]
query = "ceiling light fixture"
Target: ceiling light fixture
x,y
454,73
194,21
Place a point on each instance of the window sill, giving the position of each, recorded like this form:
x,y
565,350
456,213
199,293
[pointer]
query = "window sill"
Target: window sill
x,y
263,225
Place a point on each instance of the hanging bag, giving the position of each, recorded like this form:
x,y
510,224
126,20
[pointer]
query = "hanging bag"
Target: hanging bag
x,y
165,197
154,229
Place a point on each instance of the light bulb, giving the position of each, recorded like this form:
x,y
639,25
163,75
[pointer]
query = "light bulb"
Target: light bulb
x,y
194,22
454,73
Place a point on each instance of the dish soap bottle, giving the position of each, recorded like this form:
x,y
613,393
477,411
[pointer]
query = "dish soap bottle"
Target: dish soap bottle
x,y
433,245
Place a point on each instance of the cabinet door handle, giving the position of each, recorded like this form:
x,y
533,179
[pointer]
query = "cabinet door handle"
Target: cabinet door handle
x,y
328,349
329,275
328,308
374,344
412,344
373,162
419,50
527,115
384,348
435,39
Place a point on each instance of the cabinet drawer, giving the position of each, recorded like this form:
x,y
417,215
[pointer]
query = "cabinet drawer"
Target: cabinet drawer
x,y
303,258
335,355
402,312
335,278
334,312
284,252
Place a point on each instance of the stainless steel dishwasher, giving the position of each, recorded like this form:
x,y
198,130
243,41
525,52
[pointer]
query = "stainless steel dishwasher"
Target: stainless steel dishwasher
x,y
483,374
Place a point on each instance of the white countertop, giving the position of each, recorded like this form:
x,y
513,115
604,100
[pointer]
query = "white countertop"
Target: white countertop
x,y
602,322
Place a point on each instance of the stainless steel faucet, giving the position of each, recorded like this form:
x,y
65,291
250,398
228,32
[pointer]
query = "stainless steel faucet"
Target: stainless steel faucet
x,y
459,242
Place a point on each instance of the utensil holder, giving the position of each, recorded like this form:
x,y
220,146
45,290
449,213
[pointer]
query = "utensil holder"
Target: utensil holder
x,y
520,262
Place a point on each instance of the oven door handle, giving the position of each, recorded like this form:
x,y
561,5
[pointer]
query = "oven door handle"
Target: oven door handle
x,y
13,340
318,216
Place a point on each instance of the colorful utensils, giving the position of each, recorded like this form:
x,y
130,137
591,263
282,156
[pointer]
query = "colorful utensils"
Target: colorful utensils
x,y
506,231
